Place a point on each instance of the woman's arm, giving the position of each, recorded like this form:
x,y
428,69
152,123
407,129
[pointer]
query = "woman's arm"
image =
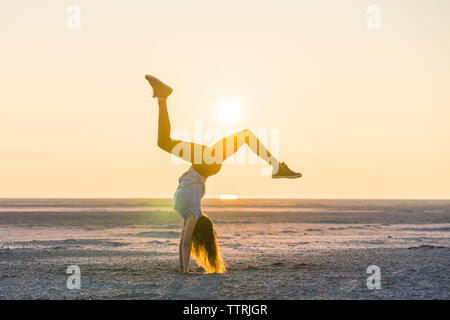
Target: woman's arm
x,y
187,241
180,248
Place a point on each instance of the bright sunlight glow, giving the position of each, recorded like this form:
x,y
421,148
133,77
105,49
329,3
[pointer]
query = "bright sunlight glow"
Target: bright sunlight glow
x,y
228,112
228,197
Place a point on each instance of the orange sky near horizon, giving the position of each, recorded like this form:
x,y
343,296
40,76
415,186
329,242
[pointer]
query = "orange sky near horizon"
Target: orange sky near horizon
x,y
361,113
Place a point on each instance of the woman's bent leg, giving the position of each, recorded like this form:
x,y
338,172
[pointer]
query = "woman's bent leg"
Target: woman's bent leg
x,y
228,146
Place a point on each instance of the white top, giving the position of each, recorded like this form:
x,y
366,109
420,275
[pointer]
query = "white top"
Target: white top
x,y
190,191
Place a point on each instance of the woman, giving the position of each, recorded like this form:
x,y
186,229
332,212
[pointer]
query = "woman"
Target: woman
x,y
198,234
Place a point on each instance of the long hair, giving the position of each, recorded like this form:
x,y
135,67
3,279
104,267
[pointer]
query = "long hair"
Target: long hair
x,y
205,248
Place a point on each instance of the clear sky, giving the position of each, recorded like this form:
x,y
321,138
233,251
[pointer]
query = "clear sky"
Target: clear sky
x,y
361,113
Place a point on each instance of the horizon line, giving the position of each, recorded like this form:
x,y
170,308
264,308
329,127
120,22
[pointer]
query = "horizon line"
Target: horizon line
x,y
217,198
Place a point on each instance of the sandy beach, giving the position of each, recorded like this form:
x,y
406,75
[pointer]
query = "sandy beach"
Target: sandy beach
x,y
274,249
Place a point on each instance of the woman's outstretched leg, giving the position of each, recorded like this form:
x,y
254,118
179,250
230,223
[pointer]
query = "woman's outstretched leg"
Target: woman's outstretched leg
x,y
165,142
187,151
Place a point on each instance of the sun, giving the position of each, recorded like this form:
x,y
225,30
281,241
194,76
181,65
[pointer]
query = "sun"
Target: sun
x,y
228,112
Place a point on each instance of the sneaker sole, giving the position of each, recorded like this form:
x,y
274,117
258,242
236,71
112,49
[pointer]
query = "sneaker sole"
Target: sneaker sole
x,y
149,77
287,177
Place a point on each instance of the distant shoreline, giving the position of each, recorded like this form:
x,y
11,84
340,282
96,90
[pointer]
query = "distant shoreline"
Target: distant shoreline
x,y
217,198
